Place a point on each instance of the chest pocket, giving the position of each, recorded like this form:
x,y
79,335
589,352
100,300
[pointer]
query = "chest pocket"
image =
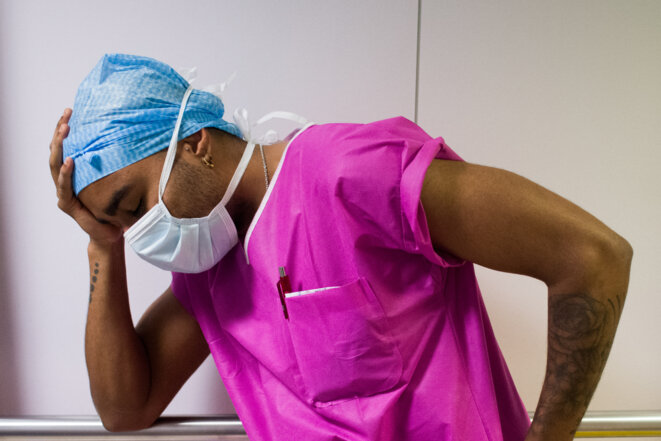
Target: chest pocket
x,y
342,343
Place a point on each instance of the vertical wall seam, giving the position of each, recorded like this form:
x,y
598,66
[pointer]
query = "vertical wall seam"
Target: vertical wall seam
x,y
417,65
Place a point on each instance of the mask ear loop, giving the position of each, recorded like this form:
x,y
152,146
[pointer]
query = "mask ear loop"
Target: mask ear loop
x,y
238,173
242,121
172,148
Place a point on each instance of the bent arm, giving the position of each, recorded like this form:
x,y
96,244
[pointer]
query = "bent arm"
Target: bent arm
x,y
505,222
135,372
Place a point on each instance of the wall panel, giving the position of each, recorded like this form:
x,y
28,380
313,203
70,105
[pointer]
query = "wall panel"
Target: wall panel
x,y
567,94
328,61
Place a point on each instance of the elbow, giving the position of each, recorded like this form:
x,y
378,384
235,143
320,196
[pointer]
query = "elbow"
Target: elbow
x,y
116,422
598,265
124,416
112,425
618,252
607,264
627,250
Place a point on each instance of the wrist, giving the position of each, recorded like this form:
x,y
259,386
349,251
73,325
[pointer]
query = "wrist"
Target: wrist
x,y
100,248
557,417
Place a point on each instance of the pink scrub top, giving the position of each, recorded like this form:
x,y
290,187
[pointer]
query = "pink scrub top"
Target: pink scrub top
x,y
387,339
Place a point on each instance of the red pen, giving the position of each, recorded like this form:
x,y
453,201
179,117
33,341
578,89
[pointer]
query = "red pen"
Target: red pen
x,y
284,287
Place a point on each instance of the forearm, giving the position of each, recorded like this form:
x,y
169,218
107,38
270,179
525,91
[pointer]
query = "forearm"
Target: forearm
x,y
116,360
583,313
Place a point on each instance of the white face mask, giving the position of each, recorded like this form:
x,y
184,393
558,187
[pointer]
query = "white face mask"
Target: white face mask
x,y
186,245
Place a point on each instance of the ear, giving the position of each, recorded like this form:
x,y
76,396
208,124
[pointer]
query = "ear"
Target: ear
x,y
199,143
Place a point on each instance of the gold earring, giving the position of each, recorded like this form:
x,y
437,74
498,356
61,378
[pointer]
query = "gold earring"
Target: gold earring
x,y
208,162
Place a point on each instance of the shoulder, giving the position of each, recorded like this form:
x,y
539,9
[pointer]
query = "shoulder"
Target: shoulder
x,y
358,153
361,173
188,288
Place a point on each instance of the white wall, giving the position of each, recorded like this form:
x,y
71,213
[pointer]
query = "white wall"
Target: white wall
x,y
328,61
568,94
565,93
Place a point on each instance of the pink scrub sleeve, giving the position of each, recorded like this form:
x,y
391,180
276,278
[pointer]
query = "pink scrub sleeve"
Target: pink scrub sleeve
x,y
384,165
180,291
414,222
192,292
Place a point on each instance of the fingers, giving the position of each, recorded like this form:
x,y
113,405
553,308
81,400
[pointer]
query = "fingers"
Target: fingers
x,y
61,132
66,200
71,205
64,119
65,197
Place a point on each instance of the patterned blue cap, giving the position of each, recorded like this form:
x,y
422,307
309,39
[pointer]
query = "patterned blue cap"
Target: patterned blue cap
x,y
126,110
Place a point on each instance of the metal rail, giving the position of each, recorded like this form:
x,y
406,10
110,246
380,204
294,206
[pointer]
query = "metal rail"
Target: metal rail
x,y
611,424
228,427
216,428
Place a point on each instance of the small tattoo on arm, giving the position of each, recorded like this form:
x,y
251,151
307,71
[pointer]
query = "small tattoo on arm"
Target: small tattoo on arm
x,y
94,279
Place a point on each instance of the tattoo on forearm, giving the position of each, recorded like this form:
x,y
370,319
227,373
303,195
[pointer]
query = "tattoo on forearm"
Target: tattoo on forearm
x,y
94,279
580,336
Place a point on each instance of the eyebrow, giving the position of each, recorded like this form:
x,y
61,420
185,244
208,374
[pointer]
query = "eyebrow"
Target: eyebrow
x,y
116,199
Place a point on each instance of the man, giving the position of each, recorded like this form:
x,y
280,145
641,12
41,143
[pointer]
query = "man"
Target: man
x,y
330,275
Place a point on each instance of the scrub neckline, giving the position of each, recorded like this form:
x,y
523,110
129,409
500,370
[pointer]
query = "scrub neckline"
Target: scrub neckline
x,y
262,204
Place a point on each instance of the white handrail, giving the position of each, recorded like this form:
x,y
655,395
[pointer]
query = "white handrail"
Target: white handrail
x,y
207,428
228,427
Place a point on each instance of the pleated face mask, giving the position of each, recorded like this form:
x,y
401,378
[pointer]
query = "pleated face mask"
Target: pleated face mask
x,y
188,245
123,112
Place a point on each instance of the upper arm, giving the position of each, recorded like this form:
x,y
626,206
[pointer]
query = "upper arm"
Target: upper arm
x,y
503,221
175,347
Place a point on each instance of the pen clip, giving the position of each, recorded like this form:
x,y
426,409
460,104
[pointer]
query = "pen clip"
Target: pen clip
x,y
284,287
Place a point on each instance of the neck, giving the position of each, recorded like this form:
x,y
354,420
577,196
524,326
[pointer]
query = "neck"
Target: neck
x,y
243,205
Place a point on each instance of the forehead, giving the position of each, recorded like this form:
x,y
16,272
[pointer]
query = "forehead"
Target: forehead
x,y
100,193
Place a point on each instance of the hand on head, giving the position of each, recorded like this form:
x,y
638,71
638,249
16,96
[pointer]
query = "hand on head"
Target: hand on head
x,y
62,171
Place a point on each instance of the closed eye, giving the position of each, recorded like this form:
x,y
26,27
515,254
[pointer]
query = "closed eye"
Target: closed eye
x,y
139,209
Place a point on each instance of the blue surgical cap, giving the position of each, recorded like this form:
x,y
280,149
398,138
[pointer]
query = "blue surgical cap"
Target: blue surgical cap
x,y
126,109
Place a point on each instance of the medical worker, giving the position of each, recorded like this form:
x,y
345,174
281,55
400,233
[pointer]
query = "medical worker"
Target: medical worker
x,y
330,274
